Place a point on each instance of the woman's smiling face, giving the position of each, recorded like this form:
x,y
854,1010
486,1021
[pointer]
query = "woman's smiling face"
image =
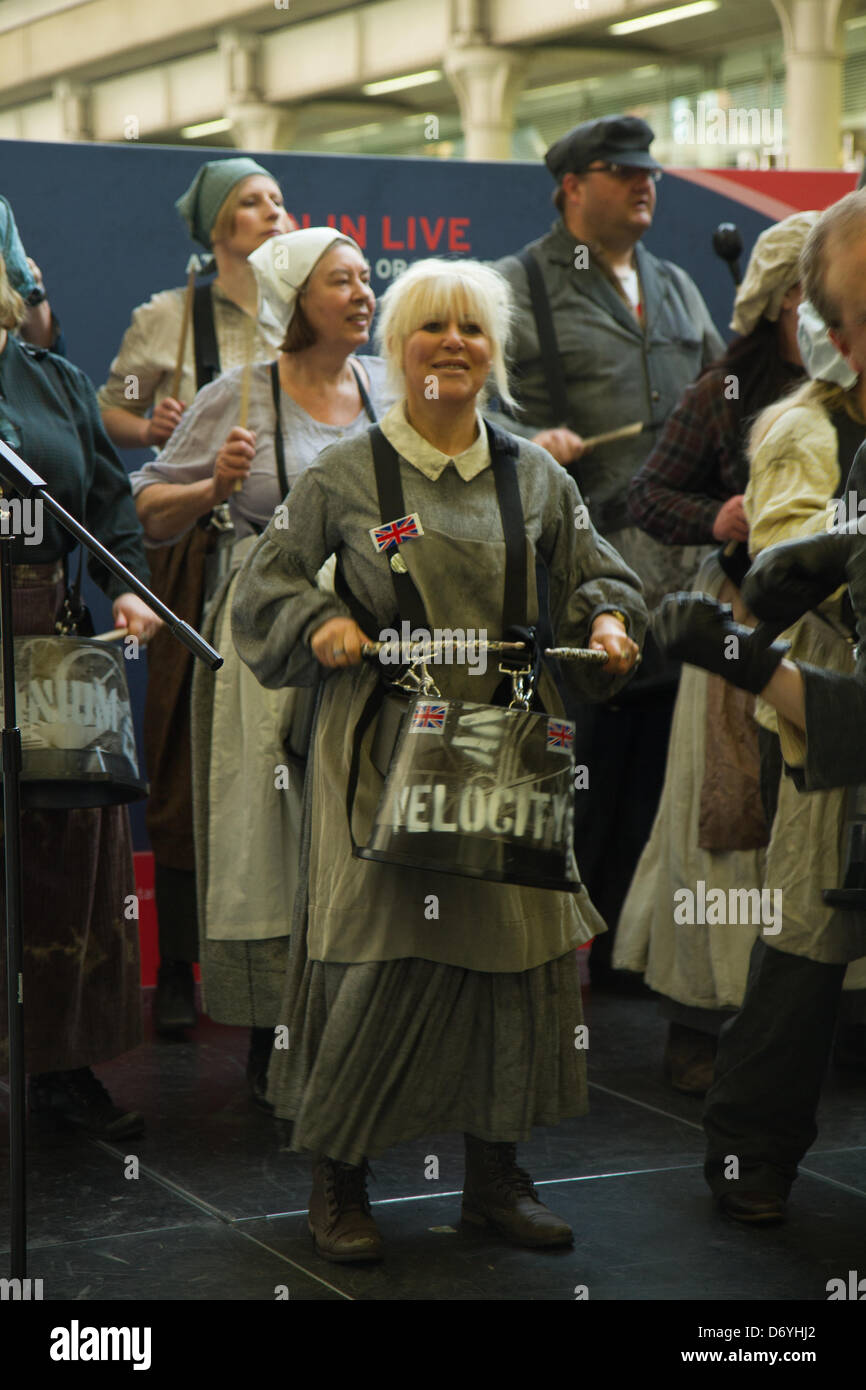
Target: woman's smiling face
x,y
447,359
338,300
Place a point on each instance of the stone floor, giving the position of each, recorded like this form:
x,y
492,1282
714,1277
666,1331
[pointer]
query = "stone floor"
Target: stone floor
x,y
218,1210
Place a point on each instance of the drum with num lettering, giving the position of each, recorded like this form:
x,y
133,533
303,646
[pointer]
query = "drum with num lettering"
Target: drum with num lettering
x,y
481,791
77,736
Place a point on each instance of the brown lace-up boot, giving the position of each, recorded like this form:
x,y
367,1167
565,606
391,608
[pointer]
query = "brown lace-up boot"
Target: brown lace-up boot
x,y
340,1221
499,1194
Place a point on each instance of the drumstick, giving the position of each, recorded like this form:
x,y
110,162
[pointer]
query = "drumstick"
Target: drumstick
x,y
193,266
245,386
576,654
113,636
374,648
624,432
563,653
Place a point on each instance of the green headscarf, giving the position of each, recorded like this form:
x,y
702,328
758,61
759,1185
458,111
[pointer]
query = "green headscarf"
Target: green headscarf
x,y
208,191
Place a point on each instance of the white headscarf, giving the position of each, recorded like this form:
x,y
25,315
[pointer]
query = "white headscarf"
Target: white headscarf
x,y
283,264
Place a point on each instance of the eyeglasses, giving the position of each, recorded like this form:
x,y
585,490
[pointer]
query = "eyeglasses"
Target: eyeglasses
x,y
625,172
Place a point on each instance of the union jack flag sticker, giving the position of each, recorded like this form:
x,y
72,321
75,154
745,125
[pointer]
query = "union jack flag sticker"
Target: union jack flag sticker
x,y
428,719
560,733
396,532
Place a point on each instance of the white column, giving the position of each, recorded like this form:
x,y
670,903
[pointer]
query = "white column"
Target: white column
x,y
256,124
812,32
73,107
486,81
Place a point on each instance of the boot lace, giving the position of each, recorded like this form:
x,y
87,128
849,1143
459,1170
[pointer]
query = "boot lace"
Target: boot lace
x,y
346,1186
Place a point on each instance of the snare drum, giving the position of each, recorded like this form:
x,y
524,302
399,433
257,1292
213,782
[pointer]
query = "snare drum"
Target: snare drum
x,y
481,791
77,736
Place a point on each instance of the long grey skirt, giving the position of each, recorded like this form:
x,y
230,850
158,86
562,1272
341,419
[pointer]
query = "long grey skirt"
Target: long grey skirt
x,y
387,1051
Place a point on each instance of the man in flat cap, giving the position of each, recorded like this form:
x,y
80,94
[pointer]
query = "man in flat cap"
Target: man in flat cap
x,y
607,334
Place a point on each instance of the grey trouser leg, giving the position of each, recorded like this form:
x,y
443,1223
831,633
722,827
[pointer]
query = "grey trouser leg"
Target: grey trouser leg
x,y
769,1068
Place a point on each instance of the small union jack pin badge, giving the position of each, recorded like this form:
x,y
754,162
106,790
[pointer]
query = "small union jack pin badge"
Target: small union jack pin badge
x,y
396,532
560,733
428,718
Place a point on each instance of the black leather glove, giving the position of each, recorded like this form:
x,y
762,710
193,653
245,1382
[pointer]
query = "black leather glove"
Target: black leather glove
x,y
700,630
788,579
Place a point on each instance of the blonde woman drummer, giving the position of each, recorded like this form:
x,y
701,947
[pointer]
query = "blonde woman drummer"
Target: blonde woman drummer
x,y
248,743
401,1026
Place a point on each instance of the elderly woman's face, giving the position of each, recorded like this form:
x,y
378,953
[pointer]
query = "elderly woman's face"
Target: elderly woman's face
x,y
338,301
447,359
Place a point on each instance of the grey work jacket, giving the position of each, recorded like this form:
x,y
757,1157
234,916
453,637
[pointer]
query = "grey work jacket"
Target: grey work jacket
x,y
617,370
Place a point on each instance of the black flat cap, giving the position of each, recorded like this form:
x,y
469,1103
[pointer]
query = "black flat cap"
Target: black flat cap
x,y
617,139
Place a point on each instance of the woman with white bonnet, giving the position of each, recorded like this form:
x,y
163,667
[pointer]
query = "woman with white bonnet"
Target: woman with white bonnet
x,y
246,779
713,823
405,1022
178,342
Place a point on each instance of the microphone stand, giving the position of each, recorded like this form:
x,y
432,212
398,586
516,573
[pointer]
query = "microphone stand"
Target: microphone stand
x,y
728,244
18,477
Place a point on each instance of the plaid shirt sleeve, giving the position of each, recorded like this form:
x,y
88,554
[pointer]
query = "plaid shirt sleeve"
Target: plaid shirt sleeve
x,y
694,468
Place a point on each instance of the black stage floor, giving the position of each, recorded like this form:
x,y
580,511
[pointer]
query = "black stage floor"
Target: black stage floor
x,y
218,1210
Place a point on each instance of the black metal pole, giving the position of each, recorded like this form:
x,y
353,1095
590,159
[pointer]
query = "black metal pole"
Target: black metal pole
x,y
11,752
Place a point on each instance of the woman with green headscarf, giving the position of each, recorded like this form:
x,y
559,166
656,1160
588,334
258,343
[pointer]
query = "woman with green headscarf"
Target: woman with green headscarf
x,y
231,207
176,344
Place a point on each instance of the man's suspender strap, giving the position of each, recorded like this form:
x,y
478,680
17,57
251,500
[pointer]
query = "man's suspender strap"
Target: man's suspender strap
x,y
386,461
550,358
207,357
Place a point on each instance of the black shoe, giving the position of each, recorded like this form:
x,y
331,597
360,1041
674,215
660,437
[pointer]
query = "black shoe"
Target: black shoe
x,y
754,1208
261,1046
690,1059
174,1002
78,1100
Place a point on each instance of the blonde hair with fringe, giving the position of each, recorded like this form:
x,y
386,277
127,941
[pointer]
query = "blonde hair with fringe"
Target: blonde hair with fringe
x,y
13,310
826,395
439,289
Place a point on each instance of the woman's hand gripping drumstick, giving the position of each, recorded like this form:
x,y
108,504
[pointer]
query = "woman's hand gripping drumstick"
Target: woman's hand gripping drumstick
x,y
338,642
609,635
131,613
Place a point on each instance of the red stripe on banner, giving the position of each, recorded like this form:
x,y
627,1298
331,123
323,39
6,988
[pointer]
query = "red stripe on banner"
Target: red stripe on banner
x,y
774,193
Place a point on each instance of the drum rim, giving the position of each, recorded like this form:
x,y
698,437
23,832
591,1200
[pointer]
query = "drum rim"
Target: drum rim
x,y
517,880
